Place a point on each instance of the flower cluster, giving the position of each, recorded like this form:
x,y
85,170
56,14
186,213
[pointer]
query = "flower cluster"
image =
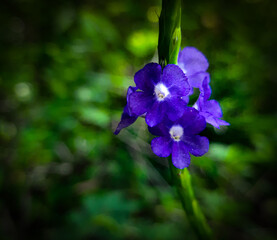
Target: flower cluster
x,y
162,97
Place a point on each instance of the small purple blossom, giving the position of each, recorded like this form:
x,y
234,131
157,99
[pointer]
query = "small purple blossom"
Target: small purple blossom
x,y
209,109
180,138
194,64
162,93
126,118
162,97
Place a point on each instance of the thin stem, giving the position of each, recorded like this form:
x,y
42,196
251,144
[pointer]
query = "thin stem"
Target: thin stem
x,y
182,181
168,49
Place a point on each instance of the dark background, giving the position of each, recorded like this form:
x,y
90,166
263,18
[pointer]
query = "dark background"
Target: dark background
x,y
64,70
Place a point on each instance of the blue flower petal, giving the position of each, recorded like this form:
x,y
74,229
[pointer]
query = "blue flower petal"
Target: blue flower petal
x,y
161,129
173,76
197,145
161,146
126,121
139,103
196,80
212,106
147,77
192,121
180,155
156,114
191,61
175,108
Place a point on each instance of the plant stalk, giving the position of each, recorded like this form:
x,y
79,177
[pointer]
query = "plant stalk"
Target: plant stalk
x,y
169,32
182,181
168,50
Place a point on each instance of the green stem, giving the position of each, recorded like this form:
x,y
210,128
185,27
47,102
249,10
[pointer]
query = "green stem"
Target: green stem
x,y
169,32
182,181
168,49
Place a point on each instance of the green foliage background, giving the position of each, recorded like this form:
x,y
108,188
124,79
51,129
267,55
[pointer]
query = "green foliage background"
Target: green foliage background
x,y
64,70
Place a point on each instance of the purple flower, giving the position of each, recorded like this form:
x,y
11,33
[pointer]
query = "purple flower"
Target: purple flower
x,y
162,93
180,138
209,109
194,64
126,118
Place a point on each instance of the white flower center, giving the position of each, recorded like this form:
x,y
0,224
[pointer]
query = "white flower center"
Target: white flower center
x,y
161,91
195,105
176,132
